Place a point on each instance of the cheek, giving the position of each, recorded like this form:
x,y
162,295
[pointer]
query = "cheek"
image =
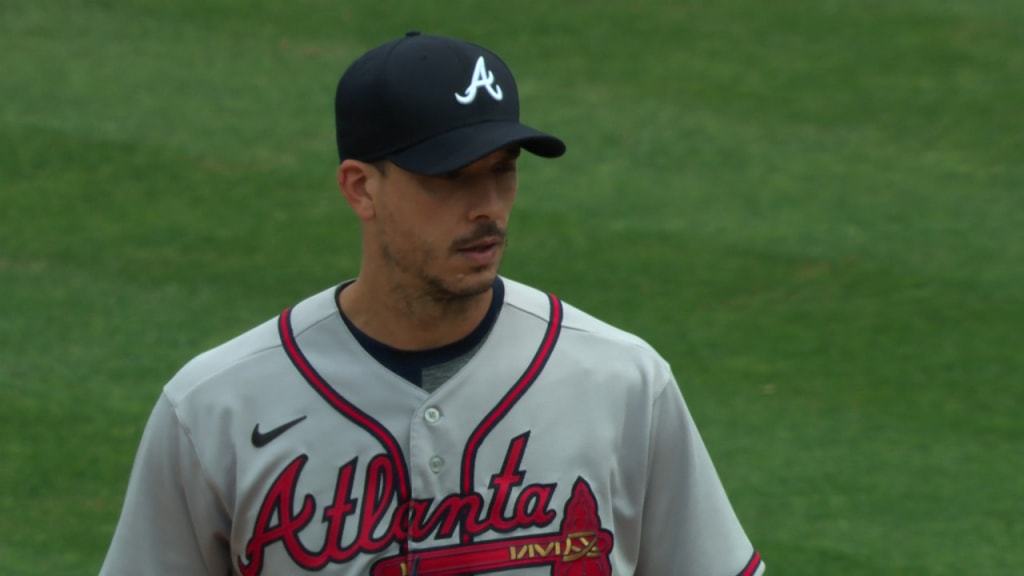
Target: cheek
x,y
393,233
511,198
508,189
412,236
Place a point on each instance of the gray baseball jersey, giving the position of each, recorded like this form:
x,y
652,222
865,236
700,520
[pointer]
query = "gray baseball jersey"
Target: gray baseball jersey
x,y
562,447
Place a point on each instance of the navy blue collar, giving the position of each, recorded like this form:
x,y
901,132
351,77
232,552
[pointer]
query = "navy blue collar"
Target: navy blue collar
x,y
409,364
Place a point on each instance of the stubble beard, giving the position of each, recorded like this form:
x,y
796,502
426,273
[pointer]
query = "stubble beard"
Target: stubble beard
x,y
451,294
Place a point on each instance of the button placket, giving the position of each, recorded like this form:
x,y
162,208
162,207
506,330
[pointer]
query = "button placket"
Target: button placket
x,y
432,415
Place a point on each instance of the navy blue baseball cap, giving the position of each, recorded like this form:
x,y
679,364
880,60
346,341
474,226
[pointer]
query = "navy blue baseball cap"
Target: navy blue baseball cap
x,y
431,105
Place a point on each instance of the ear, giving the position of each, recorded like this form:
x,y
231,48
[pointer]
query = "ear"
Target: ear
x,y
359,182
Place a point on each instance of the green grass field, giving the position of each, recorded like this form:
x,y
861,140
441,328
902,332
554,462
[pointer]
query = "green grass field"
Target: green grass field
x,y
814,210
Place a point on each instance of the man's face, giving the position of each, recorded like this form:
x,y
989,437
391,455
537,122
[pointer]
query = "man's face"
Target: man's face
x,y
445,235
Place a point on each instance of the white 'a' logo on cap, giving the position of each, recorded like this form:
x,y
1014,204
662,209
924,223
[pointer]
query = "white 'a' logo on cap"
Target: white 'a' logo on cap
x,y
482,78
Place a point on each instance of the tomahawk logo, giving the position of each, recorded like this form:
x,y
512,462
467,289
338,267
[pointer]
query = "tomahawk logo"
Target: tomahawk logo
x,y
482,78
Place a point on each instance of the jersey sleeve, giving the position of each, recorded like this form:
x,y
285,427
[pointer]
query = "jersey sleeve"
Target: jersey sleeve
x,y
173,522
689,526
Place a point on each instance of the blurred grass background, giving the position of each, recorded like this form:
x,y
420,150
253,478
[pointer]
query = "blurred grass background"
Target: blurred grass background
x,y
814,210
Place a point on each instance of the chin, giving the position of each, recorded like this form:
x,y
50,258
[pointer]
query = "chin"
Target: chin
x,y
465,285
476,283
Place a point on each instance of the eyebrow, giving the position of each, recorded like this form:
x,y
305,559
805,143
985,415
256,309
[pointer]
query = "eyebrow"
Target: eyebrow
x,y
510,154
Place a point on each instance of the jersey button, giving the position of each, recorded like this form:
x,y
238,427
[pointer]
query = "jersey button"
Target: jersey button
x,y
431,414
436,463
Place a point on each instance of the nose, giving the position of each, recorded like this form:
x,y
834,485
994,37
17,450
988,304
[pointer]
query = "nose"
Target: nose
x,y
490,199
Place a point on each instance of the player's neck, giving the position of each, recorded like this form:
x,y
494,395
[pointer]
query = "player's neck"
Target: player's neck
x,y
408,322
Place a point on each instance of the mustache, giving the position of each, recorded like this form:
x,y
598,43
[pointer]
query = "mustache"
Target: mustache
x,y
488,230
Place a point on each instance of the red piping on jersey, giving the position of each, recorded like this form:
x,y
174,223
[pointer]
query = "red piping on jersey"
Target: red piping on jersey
x,y
752,565
529,376
347,409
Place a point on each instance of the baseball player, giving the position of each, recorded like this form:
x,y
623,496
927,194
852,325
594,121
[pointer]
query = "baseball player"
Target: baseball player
x,y
428,415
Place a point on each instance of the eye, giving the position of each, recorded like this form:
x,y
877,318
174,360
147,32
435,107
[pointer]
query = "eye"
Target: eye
x,y
505,167
453,175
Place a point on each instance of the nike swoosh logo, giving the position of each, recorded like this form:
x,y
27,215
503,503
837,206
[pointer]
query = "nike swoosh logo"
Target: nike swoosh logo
x,y
261,439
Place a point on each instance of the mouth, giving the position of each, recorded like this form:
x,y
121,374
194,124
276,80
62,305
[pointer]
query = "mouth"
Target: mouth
x,y
482,245
483,251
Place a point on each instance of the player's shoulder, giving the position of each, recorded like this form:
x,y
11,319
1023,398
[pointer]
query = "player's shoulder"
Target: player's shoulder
x,y
249,353
574,320
581,332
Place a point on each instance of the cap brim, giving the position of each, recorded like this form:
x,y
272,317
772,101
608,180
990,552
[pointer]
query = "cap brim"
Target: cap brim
x,y
463,146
